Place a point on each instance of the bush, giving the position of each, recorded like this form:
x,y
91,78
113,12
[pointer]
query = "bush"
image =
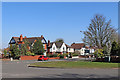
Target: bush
x,y
61,56
47,55
53,55
75,54
65,54
99,53
58,55
30,54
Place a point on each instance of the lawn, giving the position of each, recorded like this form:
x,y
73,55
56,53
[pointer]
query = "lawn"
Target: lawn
x,y
75,64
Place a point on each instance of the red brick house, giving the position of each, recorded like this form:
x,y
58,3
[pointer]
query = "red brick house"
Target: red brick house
x,y
31,40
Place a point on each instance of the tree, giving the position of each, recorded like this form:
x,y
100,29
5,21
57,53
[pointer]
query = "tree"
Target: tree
x,y
11,51
99,33
59,40
24,47
16,51
38,47
115,48
29,54
5,53
99,53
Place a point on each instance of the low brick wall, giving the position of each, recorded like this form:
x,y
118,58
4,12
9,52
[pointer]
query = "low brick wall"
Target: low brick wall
x,y
54,58
5,59
30,57
83,56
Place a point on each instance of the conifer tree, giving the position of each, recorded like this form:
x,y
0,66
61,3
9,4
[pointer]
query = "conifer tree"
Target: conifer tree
x,y
38,47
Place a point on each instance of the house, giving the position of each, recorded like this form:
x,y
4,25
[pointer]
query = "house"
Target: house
x,y
58,47
20,40
92,50
81,48
69,49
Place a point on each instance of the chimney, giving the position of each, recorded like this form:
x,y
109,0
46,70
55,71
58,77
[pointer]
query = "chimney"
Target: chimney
x,y
73,43
21,38
48,42
25,37
41,36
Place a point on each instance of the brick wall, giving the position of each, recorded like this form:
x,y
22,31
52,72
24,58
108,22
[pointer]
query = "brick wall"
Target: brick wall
x,y
55,58
30,57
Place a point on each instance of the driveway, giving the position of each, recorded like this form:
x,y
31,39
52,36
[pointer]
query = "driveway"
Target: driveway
x,y
19,69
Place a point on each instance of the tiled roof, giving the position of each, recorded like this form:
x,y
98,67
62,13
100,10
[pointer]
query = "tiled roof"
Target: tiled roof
x,y
58,44
16,38
30,39
68,46
77,45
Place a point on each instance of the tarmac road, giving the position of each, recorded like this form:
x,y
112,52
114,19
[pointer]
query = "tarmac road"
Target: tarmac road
x,y
19,69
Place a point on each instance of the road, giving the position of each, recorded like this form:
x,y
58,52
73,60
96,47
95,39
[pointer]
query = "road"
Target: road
x,y
19,69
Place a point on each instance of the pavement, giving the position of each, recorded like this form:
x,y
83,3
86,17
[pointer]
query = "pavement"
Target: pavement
x,y
19,69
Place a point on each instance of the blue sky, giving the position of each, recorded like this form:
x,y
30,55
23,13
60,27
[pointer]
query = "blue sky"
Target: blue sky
x,y
53,20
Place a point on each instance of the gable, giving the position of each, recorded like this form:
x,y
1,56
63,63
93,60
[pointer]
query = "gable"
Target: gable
x,y
43,41
63,47
54,45
12,41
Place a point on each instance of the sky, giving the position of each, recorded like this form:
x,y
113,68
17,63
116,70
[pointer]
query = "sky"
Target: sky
x,y
53,19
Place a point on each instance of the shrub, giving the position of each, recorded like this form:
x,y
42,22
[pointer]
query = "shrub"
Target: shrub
x,y
75,54
50,55
65,54
30,54
99,53
47,55
53,55
58,55
61,56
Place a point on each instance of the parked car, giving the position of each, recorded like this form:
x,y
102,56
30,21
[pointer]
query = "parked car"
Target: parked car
x,y
42,58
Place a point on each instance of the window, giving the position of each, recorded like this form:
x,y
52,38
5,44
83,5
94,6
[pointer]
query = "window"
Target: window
x,y
63,48
19,45
53,48
43,41
44,46
12,41
69,49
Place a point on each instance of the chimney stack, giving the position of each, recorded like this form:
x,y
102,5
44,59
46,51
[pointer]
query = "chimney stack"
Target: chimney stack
x,y
25,37
42,36
21,37
48,42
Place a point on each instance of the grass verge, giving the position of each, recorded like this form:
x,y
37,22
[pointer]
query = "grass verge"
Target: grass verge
x,y
74,64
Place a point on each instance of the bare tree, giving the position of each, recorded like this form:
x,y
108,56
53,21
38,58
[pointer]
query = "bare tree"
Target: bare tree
x,y
99,33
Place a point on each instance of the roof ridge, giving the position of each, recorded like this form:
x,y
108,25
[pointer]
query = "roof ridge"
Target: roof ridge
x,y
16,37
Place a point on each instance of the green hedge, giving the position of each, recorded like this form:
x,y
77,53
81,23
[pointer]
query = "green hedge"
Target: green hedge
x,y
53,55
61,56
74,54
